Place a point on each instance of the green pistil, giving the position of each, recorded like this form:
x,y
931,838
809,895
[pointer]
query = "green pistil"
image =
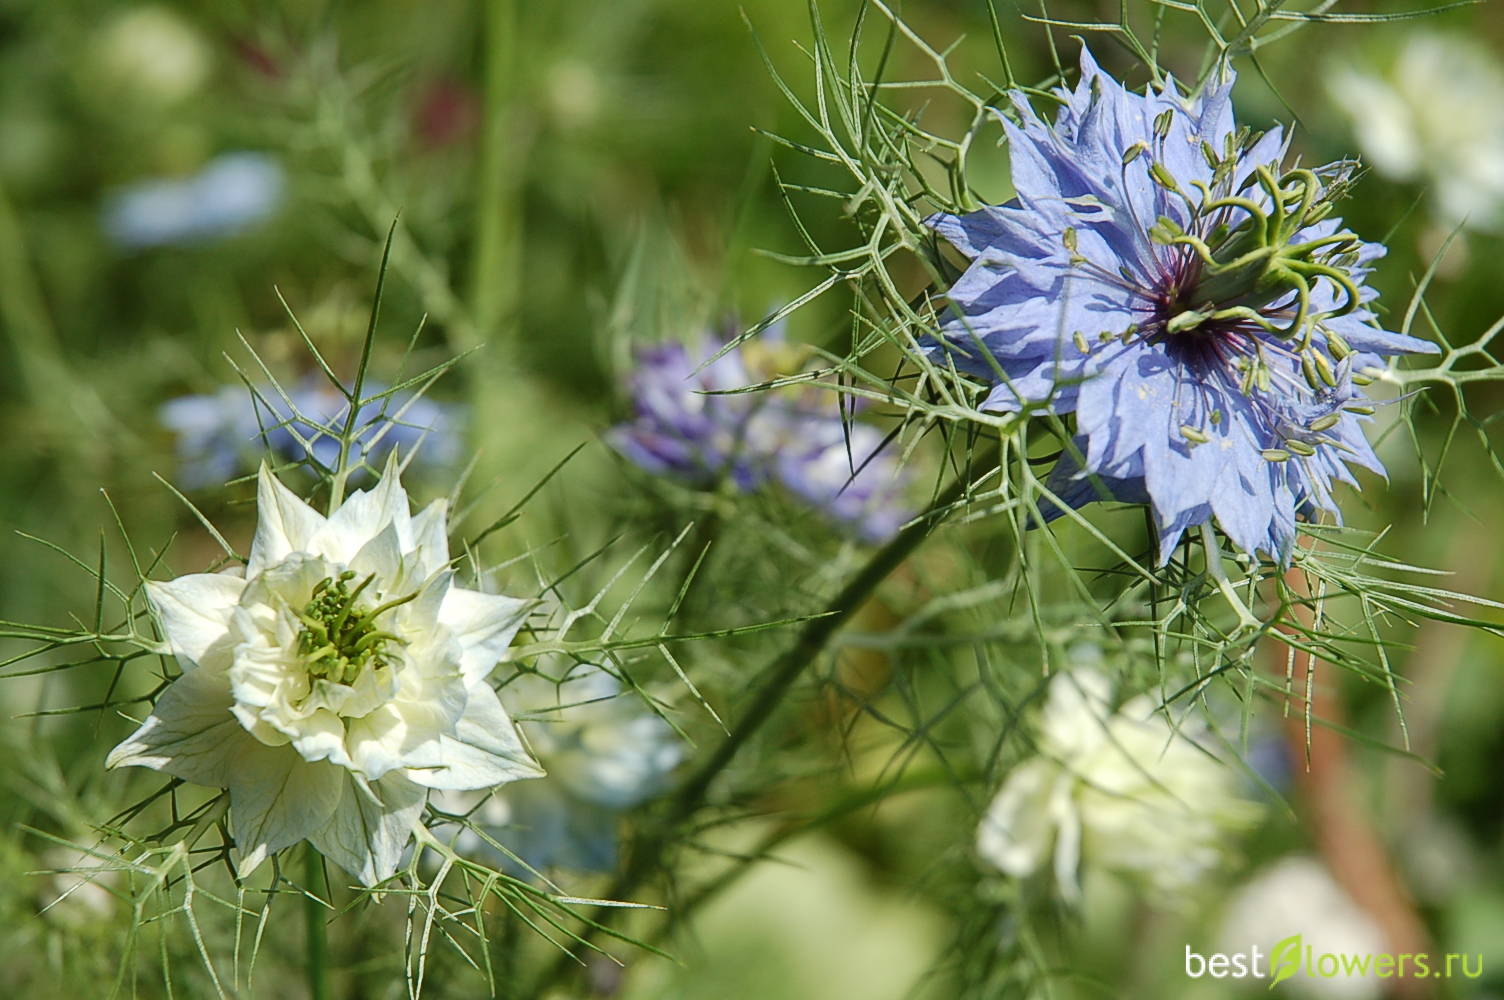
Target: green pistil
x,y
338,640
1246,269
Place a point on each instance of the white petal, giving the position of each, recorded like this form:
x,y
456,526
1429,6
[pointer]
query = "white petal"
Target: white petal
x,y
190,734
284,524
376,740
1015,834
1074,722
195,613
484,624
409,728
367,833
431,537
1067,841
362,517
382,555
321,736
277,799
484,751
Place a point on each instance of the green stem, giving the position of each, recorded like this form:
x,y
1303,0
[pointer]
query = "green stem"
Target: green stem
x,y
1247,621
649,847
316,914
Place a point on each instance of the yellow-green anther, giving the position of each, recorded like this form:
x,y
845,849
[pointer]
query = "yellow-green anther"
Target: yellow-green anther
x,y
1162,122
1163,177
1069,238
1327,422
1308,369
1324,369
1212,160
1275,455
1081,344
1337,345
338,640
1170,226
1300,448
1261,375
1216,417
1362,411
1134,151
1193,435
1361,379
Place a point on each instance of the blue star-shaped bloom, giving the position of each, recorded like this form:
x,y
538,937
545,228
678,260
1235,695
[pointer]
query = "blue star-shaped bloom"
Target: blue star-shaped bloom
x,y
1193,301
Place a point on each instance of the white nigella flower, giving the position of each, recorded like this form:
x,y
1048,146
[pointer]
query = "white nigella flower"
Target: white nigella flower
x,y
335,682
1438,117
1123,790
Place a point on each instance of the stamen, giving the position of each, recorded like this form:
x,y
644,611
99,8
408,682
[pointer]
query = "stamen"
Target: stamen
x,y
339,641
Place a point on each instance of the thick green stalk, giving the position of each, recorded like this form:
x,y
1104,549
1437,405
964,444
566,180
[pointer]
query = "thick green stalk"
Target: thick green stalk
x,y
648,849
317,915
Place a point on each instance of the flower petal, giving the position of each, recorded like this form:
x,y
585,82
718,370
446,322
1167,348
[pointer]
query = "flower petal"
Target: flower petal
x,y
484,625
285,524
484,751
372,825
1015,834
190,733
195,613
363,515
431,538
277,799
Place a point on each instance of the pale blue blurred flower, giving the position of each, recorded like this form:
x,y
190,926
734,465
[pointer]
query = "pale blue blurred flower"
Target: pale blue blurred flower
x,y
603,752
227,432
1190,300
690,427
233,192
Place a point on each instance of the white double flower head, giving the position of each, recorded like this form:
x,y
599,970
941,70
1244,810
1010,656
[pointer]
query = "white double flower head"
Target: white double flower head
x,y
335,681
1125,791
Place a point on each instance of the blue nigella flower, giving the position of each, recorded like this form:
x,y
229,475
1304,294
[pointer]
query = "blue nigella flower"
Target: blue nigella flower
x,y
687,427
227,432
232,193
1191,300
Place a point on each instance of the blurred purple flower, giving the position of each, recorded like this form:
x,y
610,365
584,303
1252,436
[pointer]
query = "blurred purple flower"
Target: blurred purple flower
x,y
223,433
232,192
688,429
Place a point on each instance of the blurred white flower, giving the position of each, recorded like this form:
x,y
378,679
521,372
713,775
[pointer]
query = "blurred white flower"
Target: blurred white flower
x,y
335,682
1122,790
1437,117
604,752
152,51
1298,895
231,193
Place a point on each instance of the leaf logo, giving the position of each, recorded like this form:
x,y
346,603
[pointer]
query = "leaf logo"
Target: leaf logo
x,y
1284,961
